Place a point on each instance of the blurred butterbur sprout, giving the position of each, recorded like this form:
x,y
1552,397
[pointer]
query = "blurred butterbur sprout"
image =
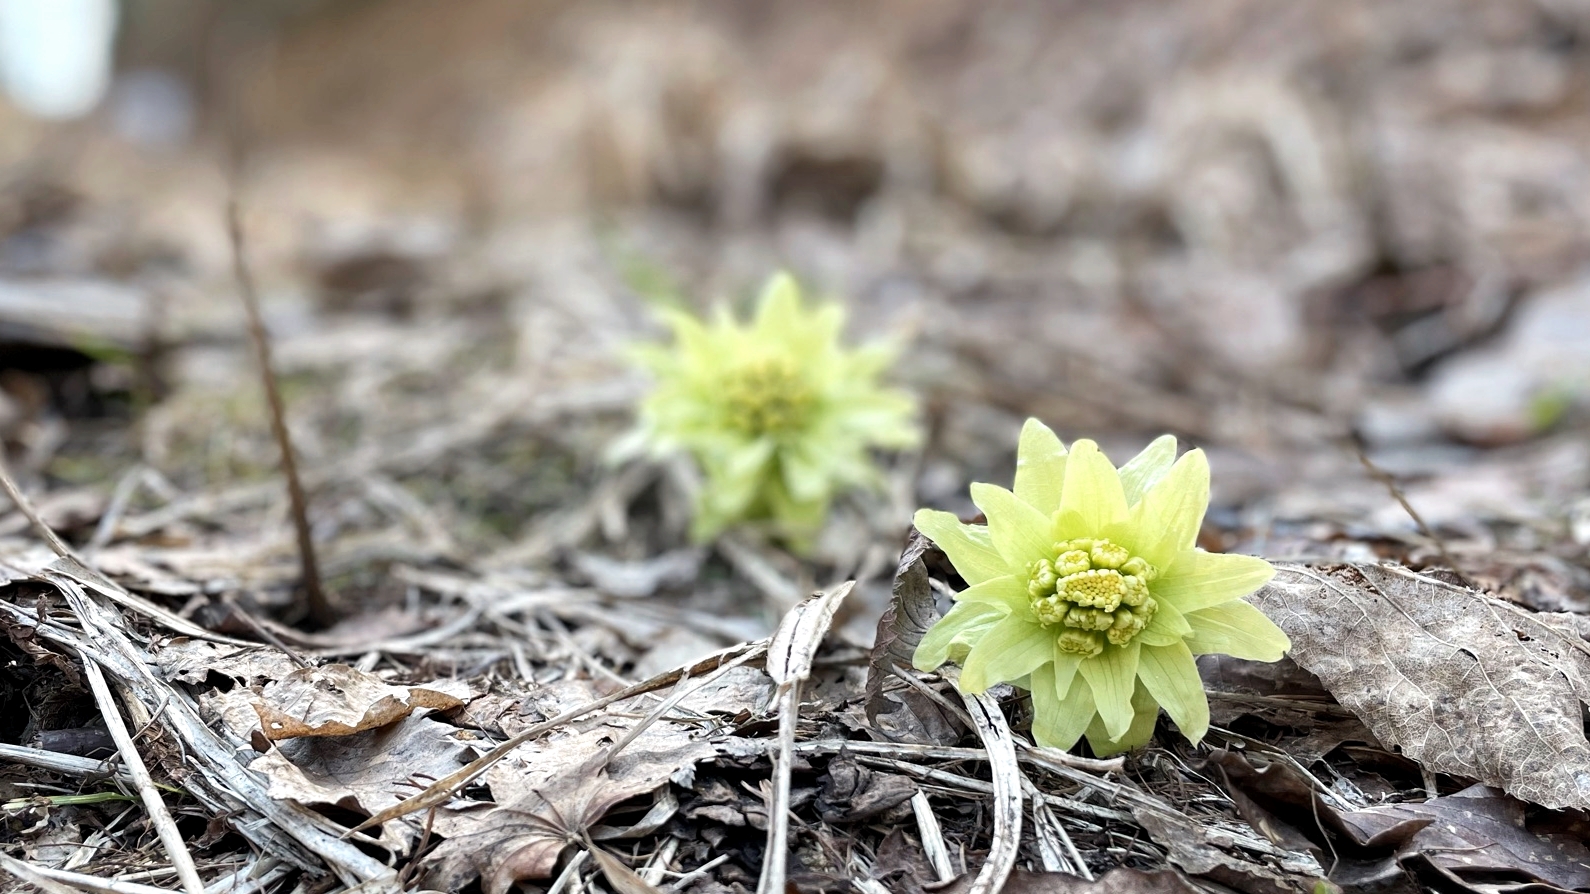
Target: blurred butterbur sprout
x,y
1086,588
779,417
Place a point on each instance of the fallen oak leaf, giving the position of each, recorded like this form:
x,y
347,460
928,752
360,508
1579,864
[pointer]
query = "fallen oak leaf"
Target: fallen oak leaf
x,y
1462,683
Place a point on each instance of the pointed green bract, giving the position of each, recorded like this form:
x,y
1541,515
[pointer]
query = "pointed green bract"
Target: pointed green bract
x,y
1093,498
1111,675
1040,467
779,417
1144,470
969,547
1086,588
1144,714
1171,676
1059,722
1010,650
1197,579
1008,593
1236,629
1021,533
964,625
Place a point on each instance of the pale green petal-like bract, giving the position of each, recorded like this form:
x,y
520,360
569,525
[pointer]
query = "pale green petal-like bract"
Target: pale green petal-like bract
x,y
1086,588
1237,629
1112,675
1059,722
1011,649
1020,532
1198,579
1006,592
1171,676
1093,499
970,548
1041,467
965,623
1169,516
1144,470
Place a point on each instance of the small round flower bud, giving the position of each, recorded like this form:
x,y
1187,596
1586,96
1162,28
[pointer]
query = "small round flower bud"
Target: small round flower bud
x,y
1080,642
1108,555
1072,561
1089,619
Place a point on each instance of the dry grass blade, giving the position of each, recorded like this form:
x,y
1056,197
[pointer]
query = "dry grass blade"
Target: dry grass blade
x,y
159,816
927,824
440,791
60,881
620,877
9,485
789,663
1007,780
794,644
55,762
218,780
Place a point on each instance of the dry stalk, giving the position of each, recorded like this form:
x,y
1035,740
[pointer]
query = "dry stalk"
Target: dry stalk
x,y
314,595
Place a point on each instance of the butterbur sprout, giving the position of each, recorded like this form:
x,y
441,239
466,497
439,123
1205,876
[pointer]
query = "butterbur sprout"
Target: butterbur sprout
x,y
777,414
1086,588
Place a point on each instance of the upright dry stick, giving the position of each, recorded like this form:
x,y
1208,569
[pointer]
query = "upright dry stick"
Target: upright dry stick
x,y
315,596
789,663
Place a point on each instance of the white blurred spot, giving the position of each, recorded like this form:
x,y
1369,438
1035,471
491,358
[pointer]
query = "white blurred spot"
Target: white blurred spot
x,y
152,108
55,55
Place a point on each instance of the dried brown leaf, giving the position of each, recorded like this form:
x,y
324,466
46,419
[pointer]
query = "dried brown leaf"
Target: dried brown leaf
x,y
368,771
910,613
337,700
550,794
1460,682
1477,834
908,714
1203,850
620,877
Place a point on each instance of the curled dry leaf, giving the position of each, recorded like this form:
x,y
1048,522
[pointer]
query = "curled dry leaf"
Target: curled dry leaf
x,y
367,772
337,700
1200,847
906,714
1475,836
1460,682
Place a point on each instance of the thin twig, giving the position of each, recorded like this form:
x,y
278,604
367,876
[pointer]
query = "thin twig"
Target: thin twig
x,y
314,596
159,816
56,762
1386,478
9,485
52,881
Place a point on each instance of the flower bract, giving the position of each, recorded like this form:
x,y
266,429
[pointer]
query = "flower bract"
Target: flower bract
x,y
778,415
1085,588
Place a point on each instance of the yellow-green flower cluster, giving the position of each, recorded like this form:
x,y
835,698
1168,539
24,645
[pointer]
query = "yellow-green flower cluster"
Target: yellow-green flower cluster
x,y
778,415
1086,588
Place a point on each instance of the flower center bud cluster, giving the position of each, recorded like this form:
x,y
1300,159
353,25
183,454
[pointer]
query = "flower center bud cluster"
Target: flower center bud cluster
x,y
768,396
1095,591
